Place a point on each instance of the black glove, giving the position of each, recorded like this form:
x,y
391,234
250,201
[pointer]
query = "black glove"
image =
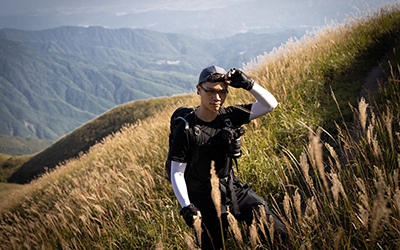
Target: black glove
x,y
240,80
188,212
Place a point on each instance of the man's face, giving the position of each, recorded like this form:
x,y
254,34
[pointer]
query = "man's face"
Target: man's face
x,y
213,94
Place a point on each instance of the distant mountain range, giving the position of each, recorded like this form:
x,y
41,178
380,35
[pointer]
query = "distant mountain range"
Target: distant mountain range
x,y
218,19
53,81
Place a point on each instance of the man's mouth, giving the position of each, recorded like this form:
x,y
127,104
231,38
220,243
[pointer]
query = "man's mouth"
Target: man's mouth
x,y
217,104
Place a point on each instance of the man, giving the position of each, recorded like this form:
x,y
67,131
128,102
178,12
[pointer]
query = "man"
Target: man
x,y
193,151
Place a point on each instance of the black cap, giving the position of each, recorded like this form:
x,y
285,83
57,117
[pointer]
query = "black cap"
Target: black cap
x,y
207,72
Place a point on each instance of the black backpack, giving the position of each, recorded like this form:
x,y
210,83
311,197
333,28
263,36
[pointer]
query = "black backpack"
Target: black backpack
x,y
179,116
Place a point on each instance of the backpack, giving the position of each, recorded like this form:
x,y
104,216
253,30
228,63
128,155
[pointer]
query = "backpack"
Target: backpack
x,y
179,116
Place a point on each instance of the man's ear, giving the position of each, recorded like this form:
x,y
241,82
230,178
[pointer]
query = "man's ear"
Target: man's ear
x,y
198,89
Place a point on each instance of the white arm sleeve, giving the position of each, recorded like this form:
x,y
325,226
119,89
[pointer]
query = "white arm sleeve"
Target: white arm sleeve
x,y
266,102
179,183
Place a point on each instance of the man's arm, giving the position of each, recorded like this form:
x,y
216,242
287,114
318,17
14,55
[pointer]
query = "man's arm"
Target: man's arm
x,y
179,183
266,102
189,212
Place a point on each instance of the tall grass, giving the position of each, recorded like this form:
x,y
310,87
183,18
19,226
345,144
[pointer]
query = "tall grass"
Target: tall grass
x,y
334,188
348,199
113,197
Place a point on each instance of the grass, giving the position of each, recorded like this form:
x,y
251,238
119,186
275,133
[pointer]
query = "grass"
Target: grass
x,y
326,161
5,189
9,164
14,145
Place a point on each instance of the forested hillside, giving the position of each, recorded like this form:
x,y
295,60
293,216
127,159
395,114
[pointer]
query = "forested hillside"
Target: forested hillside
x,y
126,48
53,81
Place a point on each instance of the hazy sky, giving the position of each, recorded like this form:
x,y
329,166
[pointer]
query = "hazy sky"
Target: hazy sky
x,y
66,7
118,6
245,15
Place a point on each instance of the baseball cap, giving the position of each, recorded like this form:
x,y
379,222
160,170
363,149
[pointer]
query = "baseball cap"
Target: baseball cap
x,y
207,72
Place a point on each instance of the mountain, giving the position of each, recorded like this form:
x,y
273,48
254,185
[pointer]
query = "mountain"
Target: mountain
x,y
246,47
53,81
15,145
126,48
46,95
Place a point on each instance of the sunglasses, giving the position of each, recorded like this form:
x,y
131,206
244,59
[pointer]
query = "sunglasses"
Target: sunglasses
x,y
212,92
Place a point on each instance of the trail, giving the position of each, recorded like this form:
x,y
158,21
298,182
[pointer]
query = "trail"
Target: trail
x,y
374,78
371,83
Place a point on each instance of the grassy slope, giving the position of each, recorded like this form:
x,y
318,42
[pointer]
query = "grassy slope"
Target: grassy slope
x,y
116,196
80,140
8,164
15,145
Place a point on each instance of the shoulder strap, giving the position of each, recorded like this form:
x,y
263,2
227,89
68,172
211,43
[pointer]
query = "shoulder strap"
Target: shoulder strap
x,y
225,117
192,132
188,120
228,123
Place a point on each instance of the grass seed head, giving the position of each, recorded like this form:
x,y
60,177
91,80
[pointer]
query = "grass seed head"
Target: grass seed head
x,y
215,193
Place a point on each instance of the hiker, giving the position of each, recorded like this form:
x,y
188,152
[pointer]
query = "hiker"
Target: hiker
x,y
193,150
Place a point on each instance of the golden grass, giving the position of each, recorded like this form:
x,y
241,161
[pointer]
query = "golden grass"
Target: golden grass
x,y
216,197
7,189
9,164
333,191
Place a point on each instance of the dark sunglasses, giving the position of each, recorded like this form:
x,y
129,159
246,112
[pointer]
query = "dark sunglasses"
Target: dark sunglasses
x,y
212,92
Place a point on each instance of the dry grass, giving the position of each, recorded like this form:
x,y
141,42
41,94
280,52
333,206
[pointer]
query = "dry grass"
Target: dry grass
x,y
106,198
337,190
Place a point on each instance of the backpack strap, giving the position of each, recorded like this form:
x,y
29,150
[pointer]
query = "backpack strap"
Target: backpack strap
x,y
229,183
192,132
228,123
235,204
225,117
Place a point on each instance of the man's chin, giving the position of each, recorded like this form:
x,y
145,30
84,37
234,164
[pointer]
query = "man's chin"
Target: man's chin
x,y
216,108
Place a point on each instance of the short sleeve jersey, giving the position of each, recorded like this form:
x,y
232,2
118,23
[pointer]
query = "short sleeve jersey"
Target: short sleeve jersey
x,y
198,151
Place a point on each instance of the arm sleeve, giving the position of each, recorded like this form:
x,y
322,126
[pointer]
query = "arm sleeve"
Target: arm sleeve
x,y
179,183
266,102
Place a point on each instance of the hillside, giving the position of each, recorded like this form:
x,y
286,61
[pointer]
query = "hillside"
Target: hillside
x,y
242,48
126,48
53,81
326,161
45,95
80,140
14,145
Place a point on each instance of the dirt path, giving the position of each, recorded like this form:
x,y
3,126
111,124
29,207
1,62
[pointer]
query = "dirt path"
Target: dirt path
x,y
372,81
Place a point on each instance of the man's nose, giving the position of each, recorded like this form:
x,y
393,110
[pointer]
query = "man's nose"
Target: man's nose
x,y
217,96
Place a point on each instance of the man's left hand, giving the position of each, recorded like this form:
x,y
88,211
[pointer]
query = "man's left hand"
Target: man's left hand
x,y
239,79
